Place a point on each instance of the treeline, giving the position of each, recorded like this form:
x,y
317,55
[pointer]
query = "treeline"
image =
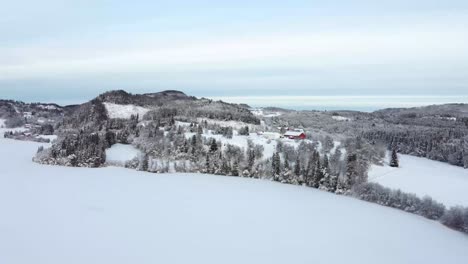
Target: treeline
x,y
455,218
76,150
446,145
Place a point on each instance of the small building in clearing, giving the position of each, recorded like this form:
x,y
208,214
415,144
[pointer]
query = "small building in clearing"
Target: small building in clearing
x,y
295,134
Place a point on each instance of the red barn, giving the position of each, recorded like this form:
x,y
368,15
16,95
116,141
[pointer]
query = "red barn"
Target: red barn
x,y
295,134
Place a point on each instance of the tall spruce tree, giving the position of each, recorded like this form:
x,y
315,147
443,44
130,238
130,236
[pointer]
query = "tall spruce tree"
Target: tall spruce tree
x,y
394,159
318,174
297,166
235,168
326,180
350,176
213,146
286,161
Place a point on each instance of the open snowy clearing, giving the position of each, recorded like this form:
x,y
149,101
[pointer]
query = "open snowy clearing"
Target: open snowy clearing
x,y
124,111
121,153
445,183
114,215
261,112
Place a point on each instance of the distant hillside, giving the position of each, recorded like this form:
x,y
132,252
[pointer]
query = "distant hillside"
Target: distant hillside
x,y
447,115
151,106
18,113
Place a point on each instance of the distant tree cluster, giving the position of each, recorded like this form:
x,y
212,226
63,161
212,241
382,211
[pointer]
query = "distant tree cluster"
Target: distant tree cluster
x,y
455,217
447,145
375,193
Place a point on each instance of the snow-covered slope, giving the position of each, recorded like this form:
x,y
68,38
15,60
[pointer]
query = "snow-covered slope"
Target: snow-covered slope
x,y
445,183
113,215
124,111
121,153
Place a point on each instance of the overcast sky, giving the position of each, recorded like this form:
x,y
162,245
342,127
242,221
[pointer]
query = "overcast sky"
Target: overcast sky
x,y
72,50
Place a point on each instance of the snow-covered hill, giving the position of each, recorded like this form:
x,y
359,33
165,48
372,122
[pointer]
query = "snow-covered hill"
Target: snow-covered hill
x,y
54,214
445,183
124,111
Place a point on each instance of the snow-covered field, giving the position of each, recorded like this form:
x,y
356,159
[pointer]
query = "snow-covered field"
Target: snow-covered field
x,y
445,183
261,112
341,118
124,111
121,153
114,215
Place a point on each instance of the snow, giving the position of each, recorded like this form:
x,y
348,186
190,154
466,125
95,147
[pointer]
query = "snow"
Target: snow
x,y
124,111
120,153
49,137
2,123
445,183
55,215
48,107
261,112
241,141
341,118
230,123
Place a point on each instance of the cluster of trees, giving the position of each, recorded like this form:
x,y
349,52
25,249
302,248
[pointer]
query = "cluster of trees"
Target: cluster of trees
x,y
455,217
315,172
76,150
441,144
24,136
376,193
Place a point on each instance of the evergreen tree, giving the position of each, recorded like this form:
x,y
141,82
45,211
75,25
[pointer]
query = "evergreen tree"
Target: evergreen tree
x,y
350,176
144,160
333,184
235,169
207,164
286,161
325,183
213,146
394,160
276,165
225,170
199,130
318,174
251,159
297,166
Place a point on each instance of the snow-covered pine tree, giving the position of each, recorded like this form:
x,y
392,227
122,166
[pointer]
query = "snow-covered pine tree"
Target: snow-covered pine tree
x,y
394,159
286,162
251,160
213,146
207,164
325,183
235,168
144,162
297,166
225,169
276,166
345,184
318,174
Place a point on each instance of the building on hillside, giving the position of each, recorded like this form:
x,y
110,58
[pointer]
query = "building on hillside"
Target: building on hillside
x,y
295,134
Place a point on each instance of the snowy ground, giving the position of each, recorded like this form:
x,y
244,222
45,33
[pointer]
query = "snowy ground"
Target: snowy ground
x,y
268,144
261,112
445,183
55,215
341,118
121,153
124,111
49,137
